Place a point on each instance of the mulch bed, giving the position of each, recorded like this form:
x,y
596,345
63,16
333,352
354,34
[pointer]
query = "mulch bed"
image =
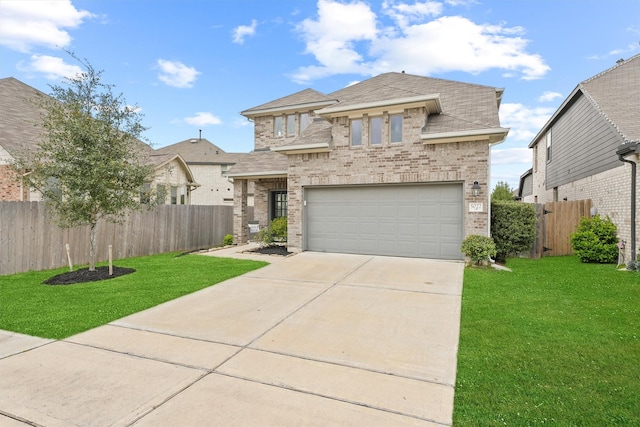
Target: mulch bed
x,y
272,250
84,275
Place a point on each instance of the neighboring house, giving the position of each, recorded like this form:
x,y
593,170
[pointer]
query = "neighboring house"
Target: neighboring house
x,y
574,154
385,166
20,133
209,164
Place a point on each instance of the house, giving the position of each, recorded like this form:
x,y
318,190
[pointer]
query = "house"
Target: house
x,y
20,133
575,153
394,165
209,164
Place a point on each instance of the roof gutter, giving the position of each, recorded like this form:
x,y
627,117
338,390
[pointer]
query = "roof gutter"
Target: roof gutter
x,y
494,136
623,151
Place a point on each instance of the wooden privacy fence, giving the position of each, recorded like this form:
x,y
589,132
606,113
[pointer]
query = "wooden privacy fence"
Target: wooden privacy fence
x,y
556,222
29,240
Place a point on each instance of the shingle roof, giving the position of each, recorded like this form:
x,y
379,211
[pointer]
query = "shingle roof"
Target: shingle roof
x,y
616,94
306,96
466,106
200,151
260,163
19,117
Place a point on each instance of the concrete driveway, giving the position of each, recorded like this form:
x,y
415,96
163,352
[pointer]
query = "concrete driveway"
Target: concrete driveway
x,y
310,340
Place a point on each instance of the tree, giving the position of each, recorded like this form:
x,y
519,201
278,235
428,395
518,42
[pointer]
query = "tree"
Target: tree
x,y
502,192
90,163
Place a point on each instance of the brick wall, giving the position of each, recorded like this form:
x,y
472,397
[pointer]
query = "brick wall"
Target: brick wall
x,y
408,162
10,186
264,127
215,189
262,190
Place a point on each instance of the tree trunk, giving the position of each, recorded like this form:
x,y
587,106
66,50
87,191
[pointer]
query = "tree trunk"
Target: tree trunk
x,y
92,247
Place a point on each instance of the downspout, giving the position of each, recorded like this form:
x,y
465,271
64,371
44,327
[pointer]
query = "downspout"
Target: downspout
x,y
633,203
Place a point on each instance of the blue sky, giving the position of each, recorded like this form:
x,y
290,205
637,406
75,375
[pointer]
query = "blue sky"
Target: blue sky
x,y
195,64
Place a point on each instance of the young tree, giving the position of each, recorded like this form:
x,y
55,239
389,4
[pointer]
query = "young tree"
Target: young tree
x,y
502,192
90,163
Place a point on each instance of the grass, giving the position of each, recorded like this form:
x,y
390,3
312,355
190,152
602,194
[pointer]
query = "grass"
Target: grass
x,y
554,342
29,307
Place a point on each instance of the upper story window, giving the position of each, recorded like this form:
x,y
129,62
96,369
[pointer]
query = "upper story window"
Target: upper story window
x,y
304,121
356,132
291,124
224,169
375,130
549,146
277,126
395,124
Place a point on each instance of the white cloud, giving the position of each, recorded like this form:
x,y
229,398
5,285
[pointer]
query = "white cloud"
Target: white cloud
x,y
242,31
350,38
509,156
404,14
549,96
203,119
332,37
176,74
52,67
525,122
27,24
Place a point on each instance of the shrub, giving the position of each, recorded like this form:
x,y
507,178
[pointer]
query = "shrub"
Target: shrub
x,y
595,240
228,240
478,248
279,229
632,266
513,228
275,233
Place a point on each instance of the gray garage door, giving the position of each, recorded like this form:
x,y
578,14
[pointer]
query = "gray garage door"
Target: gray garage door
x,y
423,221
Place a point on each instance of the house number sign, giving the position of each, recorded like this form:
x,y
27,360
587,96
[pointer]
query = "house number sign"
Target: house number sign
x,y
476,207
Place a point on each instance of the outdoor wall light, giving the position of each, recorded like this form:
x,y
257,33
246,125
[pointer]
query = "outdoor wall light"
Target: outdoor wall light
x,y
475,189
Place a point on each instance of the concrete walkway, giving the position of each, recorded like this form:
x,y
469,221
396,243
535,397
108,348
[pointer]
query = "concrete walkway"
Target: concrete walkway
x,y
310,340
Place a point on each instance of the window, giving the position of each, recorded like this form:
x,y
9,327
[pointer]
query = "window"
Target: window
x,y
396,127
304,121
549,146
174,195
183,196
277,126
375,130
223,169
278,204
356,132
161,193
291,124
145,193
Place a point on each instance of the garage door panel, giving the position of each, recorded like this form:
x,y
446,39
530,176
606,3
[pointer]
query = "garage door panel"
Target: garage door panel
x,y
408,220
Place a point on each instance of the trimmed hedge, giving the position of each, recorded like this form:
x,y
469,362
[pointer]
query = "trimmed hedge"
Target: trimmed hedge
x,y
513,228
478,248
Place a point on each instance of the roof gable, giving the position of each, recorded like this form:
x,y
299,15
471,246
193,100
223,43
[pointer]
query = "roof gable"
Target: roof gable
x,y
305,99
614,93
199,151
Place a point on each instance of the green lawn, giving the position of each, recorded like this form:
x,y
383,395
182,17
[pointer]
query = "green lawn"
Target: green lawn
x,y
554,342
30,307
